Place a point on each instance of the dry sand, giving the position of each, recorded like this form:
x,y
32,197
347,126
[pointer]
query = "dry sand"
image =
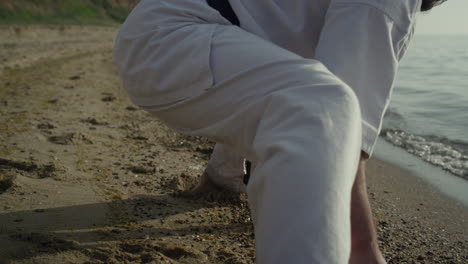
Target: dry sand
x,y
85,177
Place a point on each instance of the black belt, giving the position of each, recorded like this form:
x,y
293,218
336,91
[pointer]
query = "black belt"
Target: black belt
x,y
225,9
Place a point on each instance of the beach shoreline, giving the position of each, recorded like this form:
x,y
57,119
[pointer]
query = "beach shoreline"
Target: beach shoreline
x,y
86,177
415,217
452,186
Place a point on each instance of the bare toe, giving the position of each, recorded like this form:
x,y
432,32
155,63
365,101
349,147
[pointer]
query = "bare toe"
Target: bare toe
x,y
205,184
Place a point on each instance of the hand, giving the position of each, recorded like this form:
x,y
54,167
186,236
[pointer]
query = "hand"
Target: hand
x,y
364,248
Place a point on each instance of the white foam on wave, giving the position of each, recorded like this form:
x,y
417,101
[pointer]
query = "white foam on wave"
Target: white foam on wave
x,y
435,152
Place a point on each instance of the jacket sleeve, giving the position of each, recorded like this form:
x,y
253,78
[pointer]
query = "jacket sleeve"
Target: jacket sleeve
x,y
361,43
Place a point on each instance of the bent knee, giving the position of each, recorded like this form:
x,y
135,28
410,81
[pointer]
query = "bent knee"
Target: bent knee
x,y
314,89
349,98
338,88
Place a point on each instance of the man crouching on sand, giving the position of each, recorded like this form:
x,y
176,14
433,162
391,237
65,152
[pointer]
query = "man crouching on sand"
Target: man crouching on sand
x,y
298,87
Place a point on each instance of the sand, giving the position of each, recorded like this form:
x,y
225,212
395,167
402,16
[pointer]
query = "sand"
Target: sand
x,y
86,177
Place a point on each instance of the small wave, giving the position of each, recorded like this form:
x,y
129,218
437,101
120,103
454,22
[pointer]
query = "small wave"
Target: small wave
x,y
392,113
393,119
442,152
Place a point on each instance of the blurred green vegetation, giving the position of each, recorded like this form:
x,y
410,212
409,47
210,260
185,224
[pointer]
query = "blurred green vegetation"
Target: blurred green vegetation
x,y
99,12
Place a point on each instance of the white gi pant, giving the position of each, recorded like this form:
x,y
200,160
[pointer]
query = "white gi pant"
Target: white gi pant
x,y
297,122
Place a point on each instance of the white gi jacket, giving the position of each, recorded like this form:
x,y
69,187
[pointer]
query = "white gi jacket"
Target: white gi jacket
x,y
360,41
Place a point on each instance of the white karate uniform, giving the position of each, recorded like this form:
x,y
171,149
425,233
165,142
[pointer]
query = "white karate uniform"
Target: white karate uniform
x,y
299,89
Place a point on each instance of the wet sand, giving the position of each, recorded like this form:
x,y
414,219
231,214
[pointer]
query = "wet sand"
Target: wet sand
x,y
85,177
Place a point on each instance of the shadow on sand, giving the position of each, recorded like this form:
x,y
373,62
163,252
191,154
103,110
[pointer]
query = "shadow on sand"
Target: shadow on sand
x,y
25,234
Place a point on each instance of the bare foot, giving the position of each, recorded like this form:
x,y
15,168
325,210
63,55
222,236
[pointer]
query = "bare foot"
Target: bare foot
x,y
205,184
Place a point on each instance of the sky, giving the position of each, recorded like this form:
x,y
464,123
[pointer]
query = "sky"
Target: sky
x,y
449,18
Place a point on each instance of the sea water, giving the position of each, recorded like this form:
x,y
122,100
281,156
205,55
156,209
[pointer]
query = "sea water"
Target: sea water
x,y
428,115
